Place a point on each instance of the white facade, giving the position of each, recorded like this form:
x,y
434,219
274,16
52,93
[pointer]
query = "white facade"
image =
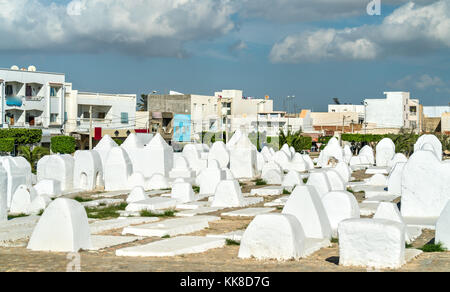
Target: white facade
x,y
395,111
109,111
31,99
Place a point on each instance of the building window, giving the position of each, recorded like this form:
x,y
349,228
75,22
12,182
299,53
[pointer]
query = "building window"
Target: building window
x,y
124,118
53,118
86,115
101,115
413,125
53,91
9,90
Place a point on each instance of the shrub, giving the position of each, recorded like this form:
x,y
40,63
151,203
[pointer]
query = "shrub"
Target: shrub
x,y
118,141
22,136
6,145
295,140
63,144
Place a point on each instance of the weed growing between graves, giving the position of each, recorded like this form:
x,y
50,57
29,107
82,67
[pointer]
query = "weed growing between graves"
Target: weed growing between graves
x,y
241,184
40,212
196,189
166,214
82,200
107,212
17,216
305,180
408,245
286,192
350,190
232,242
166,236
260,182
280,208
334,240
433,247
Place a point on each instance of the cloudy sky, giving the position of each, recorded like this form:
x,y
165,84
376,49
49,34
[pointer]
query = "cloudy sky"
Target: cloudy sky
x,y
313,49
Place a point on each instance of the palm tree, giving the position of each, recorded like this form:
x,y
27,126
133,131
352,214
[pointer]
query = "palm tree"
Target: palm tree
x,y
142,103
32,156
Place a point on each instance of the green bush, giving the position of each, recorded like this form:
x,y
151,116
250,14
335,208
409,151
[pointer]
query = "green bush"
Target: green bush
x,y
269,140
295,140
6,145
118,141
22,136
63,144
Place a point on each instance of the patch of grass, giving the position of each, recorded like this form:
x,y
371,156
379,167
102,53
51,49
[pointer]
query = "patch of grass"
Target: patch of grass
x,y
232,242
166,236
166,214
260,182
286,192
305,180
196,189
40,212
82,200
433,247
350,190
17,216
408,245
105,213
280,207
334,240
241,184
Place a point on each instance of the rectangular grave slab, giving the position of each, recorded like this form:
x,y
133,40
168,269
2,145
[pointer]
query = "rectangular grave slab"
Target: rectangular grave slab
x,y
267,191
105,225
234,235
111,194
385,198
171,227
173,247
421,222
155,203
199,211
249,212
193,205
104,202
17,229
105,241
375,170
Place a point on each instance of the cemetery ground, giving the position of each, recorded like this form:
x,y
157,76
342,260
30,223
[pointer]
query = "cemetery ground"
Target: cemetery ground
x,y
223,259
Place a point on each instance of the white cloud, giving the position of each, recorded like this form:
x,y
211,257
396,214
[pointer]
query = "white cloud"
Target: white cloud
x,y
142,27
426,81
421,82
409,30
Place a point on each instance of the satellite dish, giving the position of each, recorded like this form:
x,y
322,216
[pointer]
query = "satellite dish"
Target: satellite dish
x,y
32,68
14,67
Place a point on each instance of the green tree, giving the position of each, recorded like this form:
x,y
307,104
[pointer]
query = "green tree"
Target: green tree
x,y
295,140
142,104
33,156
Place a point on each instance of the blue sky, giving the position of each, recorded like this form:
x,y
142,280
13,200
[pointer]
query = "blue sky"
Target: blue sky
x,y
313,49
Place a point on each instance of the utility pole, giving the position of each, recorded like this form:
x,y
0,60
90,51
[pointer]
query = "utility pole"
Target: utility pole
x,y
90,127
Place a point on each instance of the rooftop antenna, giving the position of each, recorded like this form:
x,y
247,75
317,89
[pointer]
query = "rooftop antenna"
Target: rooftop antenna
x,y
336,100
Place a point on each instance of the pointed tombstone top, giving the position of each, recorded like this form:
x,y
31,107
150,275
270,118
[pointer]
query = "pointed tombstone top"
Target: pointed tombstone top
x,y
244,143
388,211
106,143
158,141
132,142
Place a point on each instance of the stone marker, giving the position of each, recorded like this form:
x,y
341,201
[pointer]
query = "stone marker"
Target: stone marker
x,y
443,228
339,206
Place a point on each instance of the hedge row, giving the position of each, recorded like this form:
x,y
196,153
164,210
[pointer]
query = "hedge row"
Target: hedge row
x,y
6,145
63,144
22,136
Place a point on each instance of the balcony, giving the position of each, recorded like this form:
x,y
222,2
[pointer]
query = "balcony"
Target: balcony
x,y
84,124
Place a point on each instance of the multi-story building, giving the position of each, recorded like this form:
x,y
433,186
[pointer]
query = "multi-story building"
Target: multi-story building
x,y
112,114
394,112
32,99
183,117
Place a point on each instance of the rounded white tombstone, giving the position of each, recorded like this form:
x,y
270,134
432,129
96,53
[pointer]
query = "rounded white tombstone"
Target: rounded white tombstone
x,y
157,182
63,227
273,177
292,179
88,170
320,182
340,206
118,169
432,140
443,227
336,181
219,152
305,204
273,236
22,198
137,179
49,187
39,204
182,192
385,151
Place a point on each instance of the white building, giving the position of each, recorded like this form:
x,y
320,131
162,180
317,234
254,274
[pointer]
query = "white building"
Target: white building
x,y
348,108
396,111
435,111
110,112
32,99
